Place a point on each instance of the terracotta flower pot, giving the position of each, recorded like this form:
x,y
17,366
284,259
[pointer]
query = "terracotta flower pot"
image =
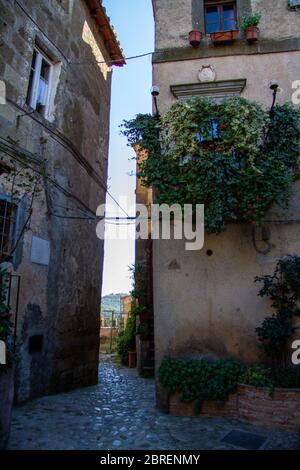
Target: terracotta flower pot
x,y
224,37
195,37
132,359
252,34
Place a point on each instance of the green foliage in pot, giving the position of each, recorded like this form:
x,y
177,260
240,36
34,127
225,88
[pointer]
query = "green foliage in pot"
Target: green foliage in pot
x,y
251,19
283,289
231,157
199,380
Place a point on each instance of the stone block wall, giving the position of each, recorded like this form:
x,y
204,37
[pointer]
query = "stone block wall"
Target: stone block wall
x,y
61,300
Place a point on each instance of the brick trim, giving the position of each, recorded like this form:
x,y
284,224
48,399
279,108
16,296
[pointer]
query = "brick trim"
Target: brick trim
x,y
280,409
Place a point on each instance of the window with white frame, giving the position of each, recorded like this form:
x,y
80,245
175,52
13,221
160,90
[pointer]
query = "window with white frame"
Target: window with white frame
x,y
40,81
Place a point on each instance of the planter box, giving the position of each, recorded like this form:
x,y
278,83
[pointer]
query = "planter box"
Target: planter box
x,y
224,37
255,405
6,403
281,410
209,408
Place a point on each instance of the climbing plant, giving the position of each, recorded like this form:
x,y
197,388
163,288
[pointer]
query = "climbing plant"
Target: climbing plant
x,y
231,157
283,289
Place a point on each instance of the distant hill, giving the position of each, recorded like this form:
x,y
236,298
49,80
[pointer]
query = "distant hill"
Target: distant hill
x,y
112,302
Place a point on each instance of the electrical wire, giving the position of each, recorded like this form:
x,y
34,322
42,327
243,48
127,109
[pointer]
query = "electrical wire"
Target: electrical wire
x,y
68,145
48,178
86,62
138,56
10,152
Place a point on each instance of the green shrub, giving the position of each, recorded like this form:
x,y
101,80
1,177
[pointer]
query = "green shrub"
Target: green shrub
x,y
286,377
126,339
283,289
199,380
231,157
259,376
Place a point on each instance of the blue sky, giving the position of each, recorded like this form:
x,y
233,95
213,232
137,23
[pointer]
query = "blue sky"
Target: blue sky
x,y
133,23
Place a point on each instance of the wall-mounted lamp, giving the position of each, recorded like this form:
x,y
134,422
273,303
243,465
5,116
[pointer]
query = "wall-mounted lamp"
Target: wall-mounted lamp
x,y
274,87
155,92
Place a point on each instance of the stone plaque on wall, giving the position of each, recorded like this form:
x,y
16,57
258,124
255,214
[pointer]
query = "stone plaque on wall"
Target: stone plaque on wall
x,y
40,251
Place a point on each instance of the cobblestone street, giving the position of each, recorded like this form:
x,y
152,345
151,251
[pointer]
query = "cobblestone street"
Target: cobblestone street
x,y
119,413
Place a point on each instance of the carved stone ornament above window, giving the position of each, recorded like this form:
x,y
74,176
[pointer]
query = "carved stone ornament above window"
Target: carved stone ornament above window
x,y
218,90
207,74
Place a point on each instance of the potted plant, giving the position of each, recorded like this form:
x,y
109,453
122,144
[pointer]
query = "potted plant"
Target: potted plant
x,y
195,37
249,25
224,37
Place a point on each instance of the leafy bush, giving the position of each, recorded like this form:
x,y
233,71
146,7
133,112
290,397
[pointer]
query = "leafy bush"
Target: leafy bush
x,y
286,377
283,289
231,157
126,339
199,380
251,19
259,376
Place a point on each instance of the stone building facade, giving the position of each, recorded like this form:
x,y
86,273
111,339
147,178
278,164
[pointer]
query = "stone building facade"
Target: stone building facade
x,y
205,302
56,59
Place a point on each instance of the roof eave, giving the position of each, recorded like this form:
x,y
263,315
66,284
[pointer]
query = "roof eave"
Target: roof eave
x,y
110,40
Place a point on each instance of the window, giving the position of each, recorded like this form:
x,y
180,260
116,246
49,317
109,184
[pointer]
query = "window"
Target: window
x,y
220,17
214,132
7,228
39,83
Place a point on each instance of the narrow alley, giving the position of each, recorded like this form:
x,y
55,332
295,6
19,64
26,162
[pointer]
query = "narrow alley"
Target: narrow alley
x,y
120,413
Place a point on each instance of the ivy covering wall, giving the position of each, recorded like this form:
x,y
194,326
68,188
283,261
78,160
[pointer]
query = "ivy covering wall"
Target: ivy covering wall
x,y
232,157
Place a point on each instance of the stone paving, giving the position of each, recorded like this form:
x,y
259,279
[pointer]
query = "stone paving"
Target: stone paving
x,y
118,414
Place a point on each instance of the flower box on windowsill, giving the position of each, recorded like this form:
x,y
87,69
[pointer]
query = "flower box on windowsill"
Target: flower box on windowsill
x,y
224,37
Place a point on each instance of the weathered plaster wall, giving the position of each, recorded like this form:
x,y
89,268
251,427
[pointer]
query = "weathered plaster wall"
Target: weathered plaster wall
x,y
60,301
257,69
208,305
277,20
175,18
